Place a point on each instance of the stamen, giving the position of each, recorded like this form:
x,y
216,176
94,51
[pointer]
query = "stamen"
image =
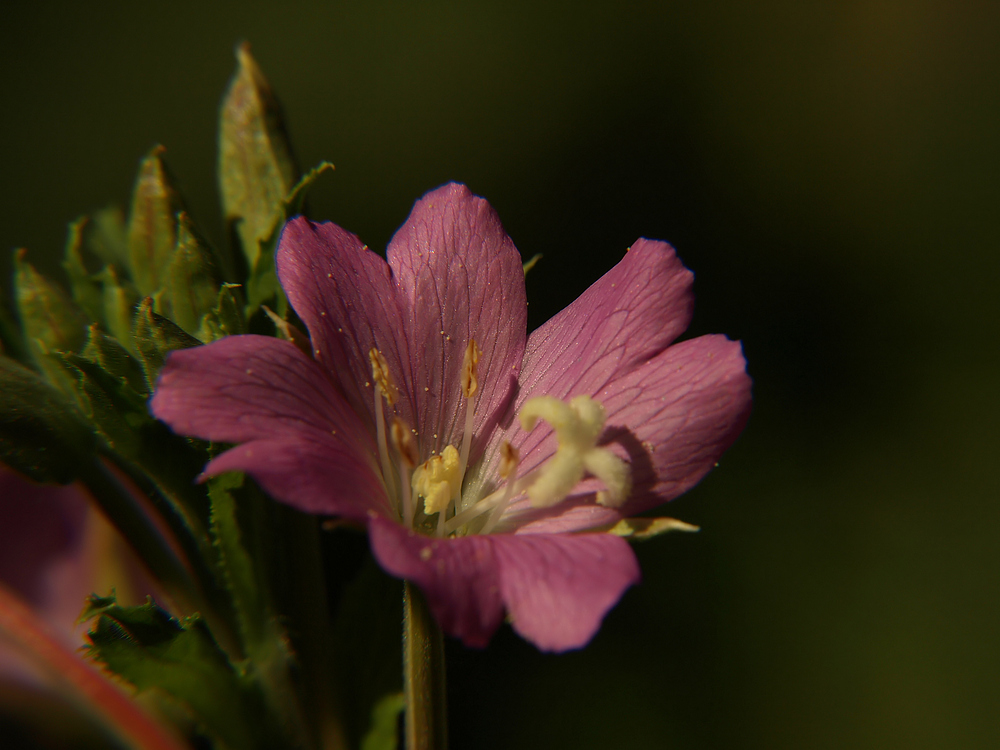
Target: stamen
x,y
509,459
470,384
406,448
385,386
382,376
470,379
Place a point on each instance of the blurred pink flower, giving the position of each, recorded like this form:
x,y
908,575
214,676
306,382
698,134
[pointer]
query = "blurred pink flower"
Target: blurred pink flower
x,y
421,384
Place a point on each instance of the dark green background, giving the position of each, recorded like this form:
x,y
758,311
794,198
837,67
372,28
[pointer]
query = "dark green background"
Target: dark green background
x,y
831,173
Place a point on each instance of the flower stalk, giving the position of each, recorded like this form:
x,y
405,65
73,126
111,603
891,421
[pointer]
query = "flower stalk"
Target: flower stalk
x,y
423,674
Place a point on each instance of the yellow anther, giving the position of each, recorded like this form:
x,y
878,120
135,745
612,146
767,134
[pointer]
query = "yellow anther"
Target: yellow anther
x,y
470,380
577,424
509,459
437,480
403,442
382,376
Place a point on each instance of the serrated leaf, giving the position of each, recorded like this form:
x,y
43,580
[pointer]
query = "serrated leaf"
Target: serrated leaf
x,y
149,649
85,288
384,731
42,434
120,299
110,355
152,228
155,337
256,167
647,528
193,278
263,283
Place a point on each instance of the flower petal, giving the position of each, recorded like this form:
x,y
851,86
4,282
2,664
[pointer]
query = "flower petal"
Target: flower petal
x,y
630,314
460,278
242,388
310,471
455,275
458,577
346,296
558,588
300,439
672,418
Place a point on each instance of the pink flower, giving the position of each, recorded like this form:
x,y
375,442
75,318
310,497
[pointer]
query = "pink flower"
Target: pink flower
x,y
485,463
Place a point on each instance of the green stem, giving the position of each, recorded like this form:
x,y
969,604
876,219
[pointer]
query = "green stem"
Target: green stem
x,y
423,674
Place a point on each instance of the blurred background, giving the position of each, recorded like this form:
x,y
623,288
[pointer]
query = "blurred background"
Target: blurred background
x,y
831,173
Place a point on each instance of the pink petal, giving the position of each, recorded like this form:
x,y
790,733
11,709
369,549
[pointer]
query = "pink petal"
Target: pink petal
x,y
461,278
677,415
672,418
626,317
300,439
246,387
454,275
311,472
630,314
558,587
346,296
458,577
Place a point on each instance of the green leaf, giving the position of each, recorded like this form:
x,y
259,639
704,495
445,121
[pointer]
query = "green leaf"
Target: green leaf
x,y
42,434
155,337
85,288
263,284
149,649
226,318
384,731
646,528
193,278
47,313
256,168
111,356
120,298
152,228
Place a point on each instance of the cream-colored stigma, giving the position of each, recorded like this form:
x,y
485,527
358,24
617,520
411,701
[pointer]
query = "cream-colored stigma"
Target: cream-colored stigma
x,y
470,376
437,480
577,424
382,376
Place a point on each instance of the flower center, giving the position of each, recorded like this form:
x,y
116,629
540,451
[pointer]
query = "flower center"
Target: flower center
x,y
438,481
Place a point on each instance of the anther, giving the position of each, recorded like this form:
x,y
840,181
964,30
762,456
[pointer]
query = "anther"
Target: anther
x,y
470,379
406,448
509,459
382,376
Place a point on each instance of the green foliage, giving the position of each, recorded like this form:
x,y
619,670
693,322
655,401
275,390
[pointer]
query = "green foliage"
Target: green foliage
x,y
155,337
256,167
42,434
179,660
192,278
152,227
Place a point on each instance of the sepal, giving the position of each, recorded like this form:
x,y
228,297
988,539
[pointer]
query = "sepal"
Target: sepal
x,y
155,337
152,227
